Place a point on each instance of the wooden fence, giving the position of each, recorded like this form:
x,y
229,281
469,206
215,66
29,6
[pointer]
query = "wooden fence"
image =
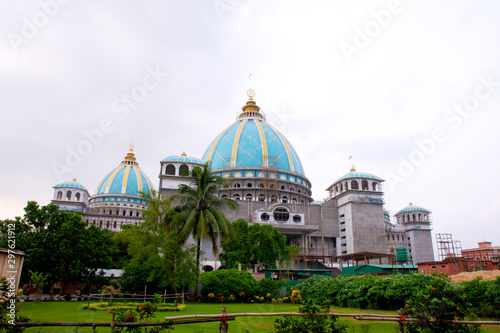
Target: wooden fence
x,y
224,318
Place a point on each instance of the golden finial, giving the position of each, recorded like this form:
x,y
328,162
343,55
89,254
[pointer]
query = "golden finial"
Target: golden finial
x,y
183,153
250,109
411,204
353,168
130,155
74,179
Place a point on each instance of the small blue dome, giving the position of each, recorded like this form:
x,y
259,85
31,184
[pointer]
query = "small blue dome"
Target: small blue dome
x,y
252,143
182,158
413,208
355,174
127,178
72,184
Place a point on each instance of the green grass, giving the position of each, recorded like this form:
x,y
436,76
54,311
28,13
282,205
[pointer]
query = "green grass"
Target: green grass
x,y
74,312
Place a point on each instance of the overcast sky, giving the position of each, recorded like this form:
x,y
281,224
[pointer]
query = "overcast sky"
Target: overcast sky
x,y
409,89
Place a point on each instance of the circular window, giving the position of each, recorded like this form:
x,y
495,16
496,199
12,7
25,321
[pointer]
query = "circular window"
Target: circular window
x,y
297,218
281,215
264,217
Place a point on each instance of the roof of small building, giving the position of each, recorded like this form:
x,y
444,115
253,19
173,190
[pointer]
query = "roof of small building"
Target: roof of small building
x,y
71,184
412,208
182,158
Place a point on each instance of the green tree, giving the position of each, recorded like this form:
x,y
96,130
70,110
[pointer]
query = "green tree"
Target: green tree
x,y
254,245
200,210
58,245
159,259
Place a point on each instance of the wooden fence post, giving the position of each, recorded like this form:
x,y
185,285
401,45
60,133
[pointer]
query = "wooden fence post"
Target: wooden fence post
x,y
223,327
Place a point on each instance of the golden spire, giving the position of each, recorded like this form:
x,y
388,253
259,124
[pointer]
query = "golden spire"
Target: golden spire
x,y
74,179
353,168
411,203
130,157
183,153
250,109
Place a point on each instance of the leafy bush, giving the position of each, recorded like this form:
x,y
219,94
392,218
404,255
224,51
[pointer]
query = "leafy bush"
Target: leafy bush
x,y
368,291
484,296
437,304
228,282
309,324
267,286
130,306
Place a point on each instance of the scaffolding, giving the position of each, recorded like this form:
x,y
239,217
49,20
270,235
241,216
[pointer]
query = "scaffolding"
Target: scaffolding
x,y
447,247
271,183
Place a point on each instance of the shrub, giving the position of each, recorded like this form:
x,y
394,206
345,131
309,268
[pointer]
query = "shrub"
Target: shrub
x,y
310,324
228,282
267,286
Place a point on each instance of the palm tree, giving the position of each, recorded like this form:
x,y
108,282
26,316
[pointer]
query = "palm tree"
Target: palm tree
x,y
200,209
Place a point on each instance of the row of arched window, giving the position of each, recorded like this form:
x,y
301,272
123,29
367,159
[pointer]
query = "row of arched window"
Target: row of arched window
x,y
271,186
413,218
170,169
262,198
68,195
354,185
106,225
123,213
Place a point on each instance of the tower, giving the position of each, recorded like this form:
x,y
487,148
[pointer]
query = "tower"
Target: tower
x,y
360,212
415,221
71,196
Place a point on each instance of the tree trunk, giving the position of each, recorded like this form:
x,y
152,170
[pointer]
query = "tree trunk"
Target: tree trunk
x,y
198,253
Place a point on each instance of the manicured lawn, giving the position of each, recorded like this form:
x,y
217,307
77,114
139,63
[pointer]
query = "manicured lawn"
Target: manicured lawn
x,y
74,312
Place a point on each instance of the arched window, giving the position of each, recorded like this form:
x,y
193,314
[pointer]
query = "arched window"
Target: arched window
x,y
170,169
404,218
137,214
354,185
426,217
273,198
292,189
224,196
100,224
124,213
281,215
264,217
183,170
262,197
341,187
77,196
237,185
59,195
346,186
299,191
249,184
272,186
284,199
249,197
302,202
261,185
419,217
68,195
131,213
107,225
297,218
294,200
375,186
236,196
114,225
364,185
414,217
117,212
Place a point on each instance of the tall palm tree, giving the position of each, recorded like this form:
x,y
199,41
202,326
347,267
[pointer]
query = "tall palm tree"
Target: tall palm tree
x,y
200,209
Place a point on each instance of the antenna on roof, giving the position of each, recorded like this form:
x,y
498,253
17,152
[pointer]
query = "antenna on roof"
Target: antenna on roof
x,y
250,81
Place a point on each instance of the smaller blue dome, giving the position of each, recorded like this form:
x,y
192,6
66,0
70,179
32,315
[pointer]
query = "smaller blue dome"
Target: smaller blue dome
x,y
413,208
182,158
355,174
72,184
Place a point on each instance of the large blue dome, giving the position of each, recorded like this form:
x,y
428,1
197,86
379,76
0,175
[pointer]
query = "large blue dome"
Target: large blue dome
x,y
252,143
126,179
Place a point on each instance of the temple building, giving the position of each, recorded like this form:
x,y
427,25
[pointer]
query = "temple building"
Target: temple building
x,y
267,179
